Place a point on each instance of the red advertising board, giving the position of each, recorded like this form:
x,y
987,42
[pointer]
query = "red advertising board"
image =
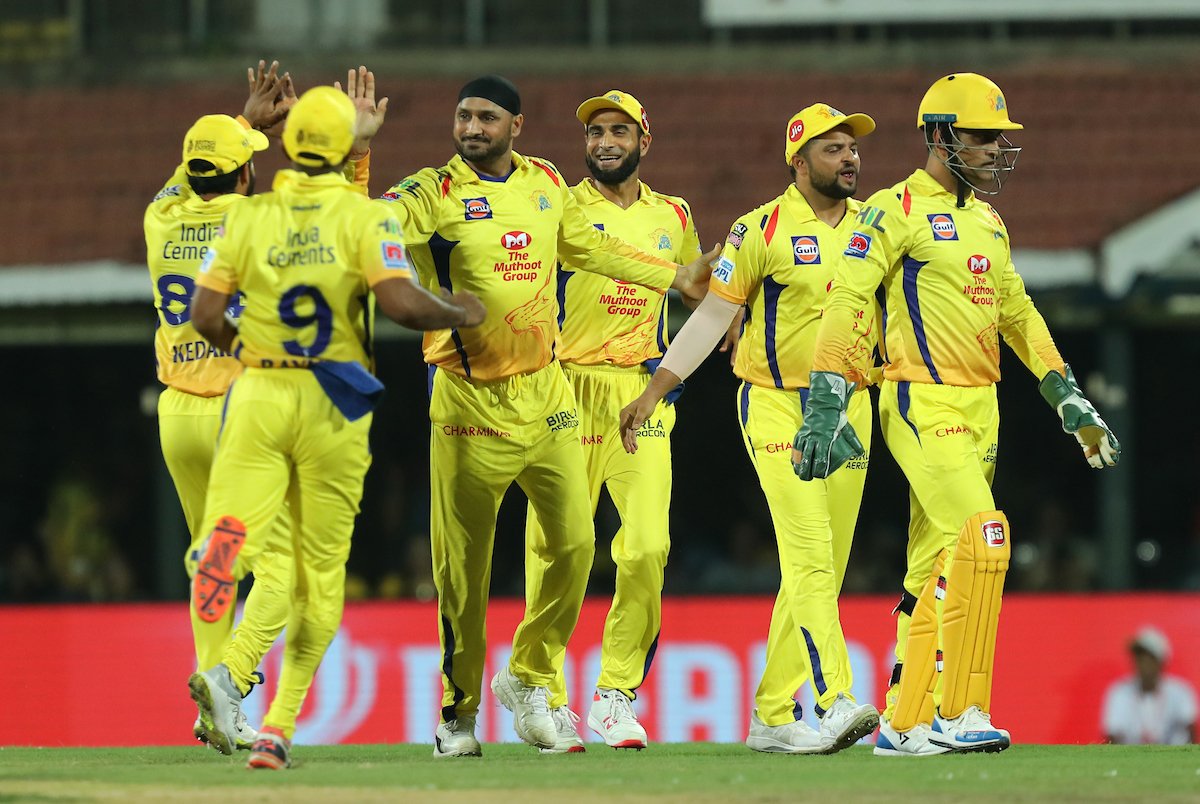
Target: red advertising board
x,y
115,675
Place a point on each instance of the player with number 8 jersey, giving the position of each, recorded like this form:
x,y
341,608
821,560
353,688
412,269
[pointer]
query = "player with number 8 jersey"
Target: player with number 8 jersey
x,y
181,222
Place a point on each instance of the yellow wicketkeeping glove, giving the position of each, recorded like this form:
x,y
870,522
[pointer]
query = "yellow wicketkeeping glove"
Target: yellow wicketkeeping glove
x,y
1079,417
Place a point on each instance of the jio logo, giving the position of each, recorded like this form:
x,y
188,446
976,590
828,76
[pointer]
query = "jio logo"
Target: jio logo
x,y
796,131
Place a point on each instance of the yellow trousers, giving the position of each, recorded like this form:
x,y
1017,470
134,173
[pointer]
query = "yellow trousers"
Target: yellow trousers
x,y
640,487
814,528
483,438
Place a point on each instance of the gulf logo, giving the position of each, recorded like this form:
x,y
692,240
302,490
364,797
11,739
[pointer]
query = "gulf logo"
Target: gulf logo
x,y
978,264
477,209
516,241
796,131
806,250
942,226
993,533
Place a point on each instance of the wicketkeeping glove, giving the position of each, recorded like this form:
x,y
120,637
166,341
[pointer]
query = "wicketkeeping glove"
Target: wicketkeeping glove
x,y
826,440
1079,417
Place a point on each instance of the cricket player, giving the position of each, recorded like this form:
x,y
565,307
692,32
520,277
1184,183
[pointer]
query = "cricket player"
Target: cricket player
x,y
944,259
307,257
496,222
777,263
216,172
613,335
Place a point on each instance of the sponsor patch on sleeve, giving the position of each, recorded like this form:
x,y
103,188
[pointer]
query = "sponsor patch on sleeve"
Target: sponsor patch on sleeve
x,y
860,244
723,271
736,234
207,262
393,255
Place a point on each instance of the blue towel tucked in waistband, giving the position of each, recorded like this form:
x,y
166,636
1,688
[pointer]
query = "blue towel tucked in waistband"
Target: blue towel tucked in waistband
x,y
352,389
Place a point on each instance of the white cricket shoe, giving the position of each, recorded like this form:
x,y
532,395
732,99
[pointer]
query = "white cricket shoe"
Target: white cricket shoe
x,y
796,737
220,704
845,723
912,743
568,741
612,717
530,707
969,732
456,738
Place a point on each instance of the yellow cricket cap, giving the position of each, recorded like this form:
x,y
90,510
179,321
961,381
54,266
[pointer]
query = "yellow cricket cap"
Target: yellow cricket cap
x,y
813,121
320,128
618,100
222,142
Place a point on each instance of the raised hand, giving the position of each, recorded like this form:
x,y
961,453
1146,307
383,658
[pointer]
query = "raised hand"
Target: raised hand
x,y
360,87
271,96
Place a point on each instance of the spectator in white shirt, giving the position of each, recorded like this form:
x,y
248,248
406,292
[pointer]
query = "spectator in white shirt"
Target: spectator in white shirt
x,y
1150,706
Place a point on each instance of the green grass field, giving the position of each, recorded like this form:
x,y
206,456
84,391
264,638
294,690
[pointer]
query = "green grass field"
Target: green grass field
x,y
515,774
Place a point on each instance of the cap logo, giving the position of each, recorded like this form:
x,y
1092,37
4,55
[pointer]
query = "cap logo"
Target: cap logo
x,y
997,100
202,145
796,131
615,98
645,120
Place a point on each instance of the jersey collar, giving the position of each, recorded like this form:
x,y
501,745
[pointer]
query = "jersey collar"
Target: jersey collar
x,y
924,184
591,195
463,173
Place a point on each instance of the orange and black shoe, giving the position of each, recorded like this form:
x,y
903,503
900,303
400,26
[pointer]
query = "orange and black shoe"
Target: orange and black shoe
x,y
214,587
271,750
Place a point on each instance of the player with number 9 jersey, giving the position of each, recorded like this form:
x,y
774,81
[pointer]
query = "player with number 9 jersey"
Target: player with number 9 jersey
x,y
295,426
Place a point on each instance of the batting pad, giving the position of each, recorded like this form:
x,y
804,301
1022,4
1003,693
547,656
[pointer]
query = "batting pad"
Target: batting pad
x,y
922,660
972,612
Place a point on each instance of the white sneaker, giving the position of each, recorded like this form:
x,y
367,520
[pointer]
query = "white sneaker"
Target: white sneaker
x,y
530,707
612,717
568,741
912,743
969,732
456,738
220,703
845,723
796,737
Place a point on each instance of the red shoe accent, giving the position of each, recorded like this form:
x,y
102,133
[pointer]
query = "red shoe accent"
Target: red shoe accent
x,y
271,750
638,744
576,749
213,588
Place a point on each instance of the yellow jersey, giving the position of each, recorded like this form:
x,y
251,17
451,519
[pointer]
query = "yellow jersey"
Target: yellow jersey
x,y
950,287
305,256
779,260
501,239
180,227
604,320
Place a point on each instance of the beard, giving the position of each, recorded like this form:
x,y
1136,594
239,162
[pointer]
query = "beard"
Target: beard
x,y
481,151
831,186
616,175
